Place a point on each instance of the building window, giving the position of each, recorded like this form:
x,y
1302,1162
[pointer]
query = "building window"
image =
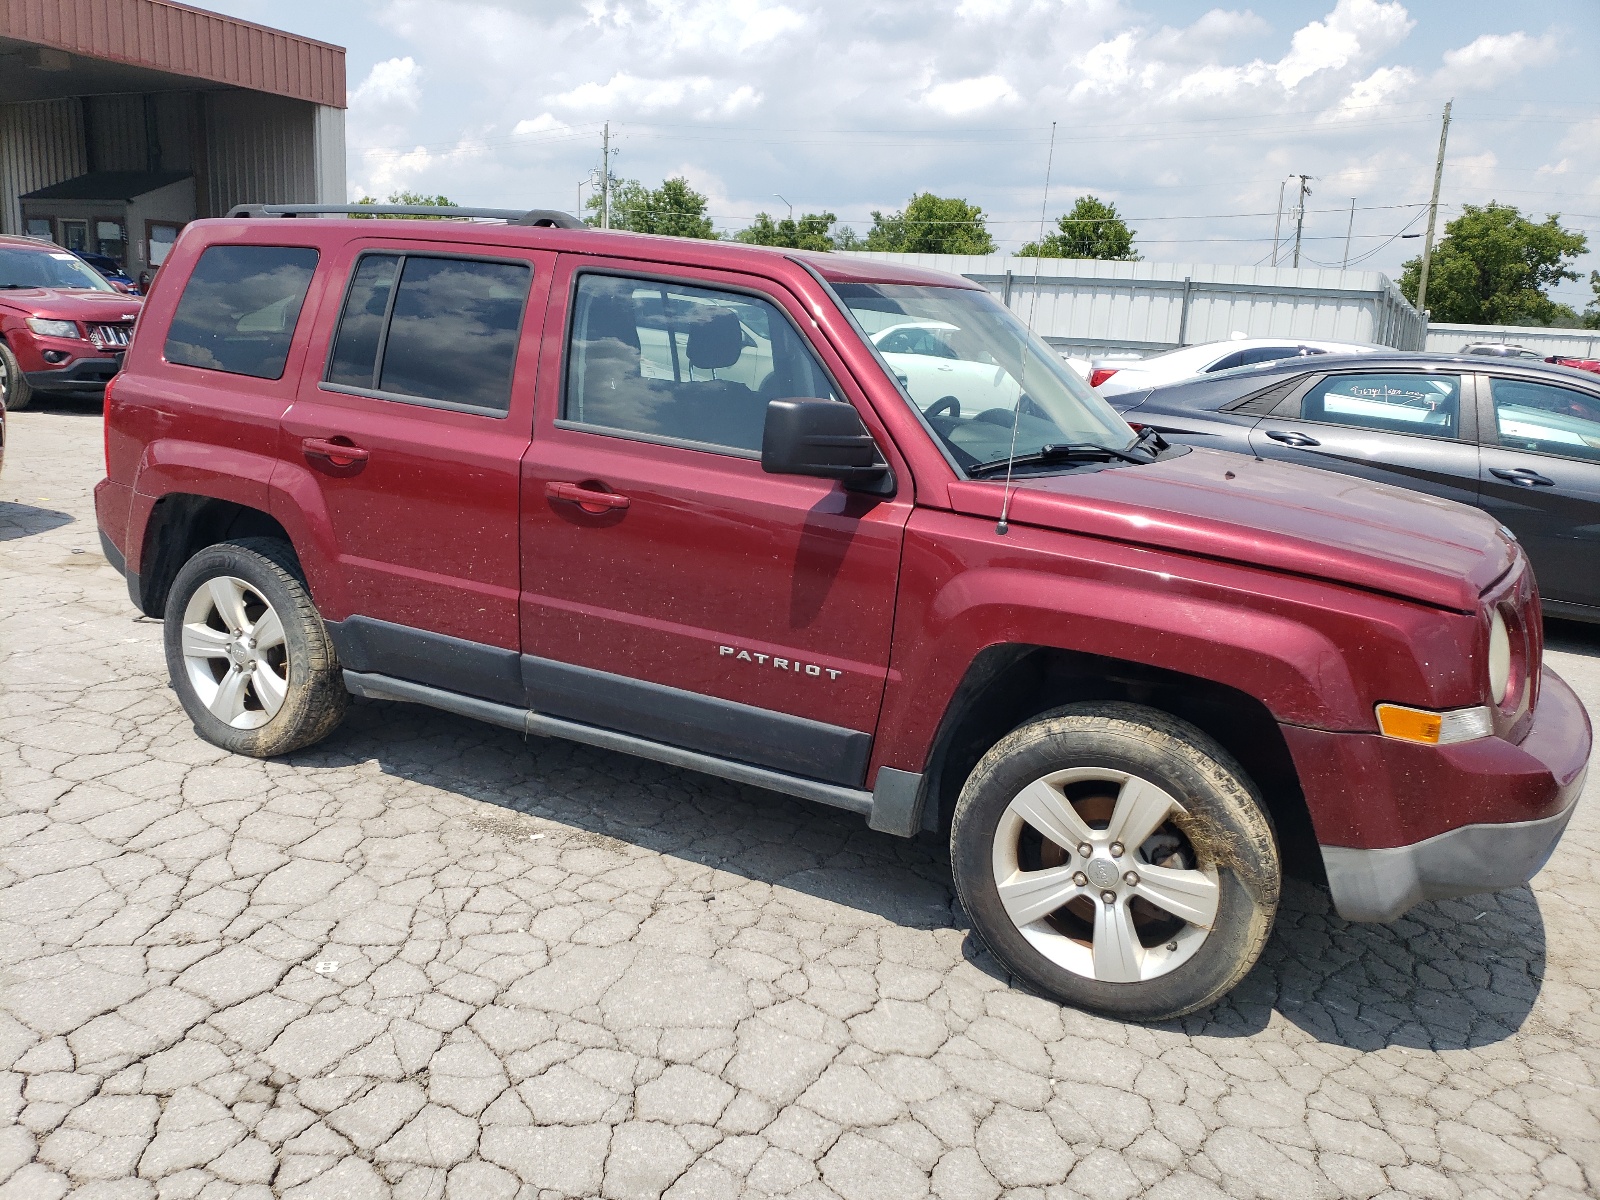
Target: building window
x,y
239,307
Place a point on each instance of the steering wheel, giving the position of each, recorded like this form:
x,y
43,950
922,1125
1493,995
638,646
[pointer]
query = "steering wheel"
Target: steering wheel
x,y
996,416
944,406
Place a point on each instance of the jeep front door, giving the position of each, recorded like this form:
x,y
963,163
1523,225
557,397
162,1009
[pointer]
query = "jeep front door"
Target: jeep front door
x,y
671,589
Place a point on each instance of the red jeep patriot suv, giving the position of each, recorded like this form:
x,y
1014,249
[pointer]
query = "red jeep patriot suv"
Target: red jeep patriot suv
x,y
674,498
63,328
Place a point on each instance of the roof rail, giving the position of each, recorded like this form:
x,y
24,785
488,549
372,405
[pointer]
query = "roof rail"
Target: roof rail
x,y
547,217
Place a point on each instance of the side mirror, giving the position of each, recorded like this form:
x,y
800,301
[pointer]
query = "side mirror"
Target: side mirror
x,y
824,438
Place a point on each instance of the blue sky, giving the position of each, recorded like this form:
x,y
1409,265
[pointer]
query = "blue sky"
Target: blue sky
x,y
1188,117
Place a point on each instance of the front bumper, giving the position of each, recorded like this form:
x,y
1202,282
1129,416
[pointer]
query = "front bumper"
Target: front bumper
x,y
82,377
1400,824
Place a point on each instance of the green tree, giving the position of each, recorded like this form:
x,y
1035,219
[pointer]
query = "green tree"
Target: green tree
x,y
674,209
1495,267
411,198
1591,310
810,232
1093,229
931,224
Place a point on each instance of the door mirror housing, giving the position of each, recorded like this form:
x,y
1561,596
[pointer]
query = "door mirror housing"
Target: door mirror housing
x,y
824,438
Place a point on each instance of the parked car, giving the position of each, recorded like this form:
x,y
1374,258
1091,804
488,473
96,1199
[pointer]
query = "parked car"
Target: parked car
x,y
663,497
1114,377
1577,364
1499,350
1515,437
111,271
63,328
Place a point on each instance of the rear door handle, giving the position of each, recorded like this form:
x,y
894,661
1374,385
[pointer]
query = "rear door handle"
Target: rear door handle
x,y
341,453
589,501
1291,438
1526,476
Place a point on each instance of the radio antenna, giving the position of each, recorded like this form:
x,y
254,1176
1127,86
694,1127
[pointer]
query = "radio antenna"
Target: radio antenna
x,y
1033,306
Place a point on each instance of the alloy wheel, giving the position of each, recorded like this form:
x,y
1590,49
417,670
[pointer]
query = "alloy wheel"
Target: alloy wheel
x,y
234,652
1095,870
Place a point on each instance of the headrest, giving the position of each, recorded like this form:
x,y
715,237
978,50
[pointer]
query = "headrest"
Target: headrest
x,y
612,316
716,340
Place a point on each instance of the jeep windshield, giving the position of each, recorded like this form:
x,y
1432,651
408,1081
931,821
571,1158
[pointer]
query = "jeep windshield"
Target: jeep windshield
x,y
970,368
48,269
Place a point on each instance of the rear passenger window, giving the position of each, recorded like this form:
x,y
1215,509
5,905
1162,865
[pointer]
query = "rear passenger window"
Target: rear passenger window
x,y
1393,403
239,307
431,330
683,364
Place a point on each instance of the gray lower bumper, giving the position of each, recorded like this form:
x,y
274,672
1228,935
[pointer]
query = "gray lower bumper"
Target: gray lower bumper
x,y
1380,885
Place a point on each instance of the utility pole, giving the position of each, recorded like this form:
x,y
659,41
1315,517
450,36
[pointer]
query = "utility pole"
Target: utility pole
x,y
1277,222
1300,218
605,176
1433,213
1348,230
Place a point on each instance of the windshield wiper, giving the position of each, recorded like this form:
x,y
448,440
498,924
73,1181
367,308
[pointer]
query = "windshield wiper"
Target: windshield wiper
x,y
1057,452
1157,443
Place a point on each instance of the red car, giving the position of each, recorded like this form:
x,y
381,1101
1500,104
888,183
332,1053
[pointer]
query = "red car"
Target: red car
x,y
1577,364
667,497
63,327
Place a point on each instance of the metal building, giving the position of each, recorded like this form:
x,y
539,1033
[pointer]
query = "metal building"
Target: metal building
x,y
1090,305
122,119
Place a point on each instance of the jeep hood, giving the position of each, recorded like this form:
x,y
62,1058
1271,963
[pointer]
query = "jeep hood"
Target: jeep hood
x,y
1275,515
71,304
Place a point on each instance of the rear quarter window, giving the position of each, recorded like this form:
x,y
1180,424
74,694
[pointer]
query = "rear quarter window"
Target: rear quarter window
x,y
239,308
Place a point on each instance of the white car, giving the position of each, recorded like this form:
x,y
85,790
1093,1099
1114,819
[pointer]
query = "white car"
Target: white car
x,y
927,356
1111,377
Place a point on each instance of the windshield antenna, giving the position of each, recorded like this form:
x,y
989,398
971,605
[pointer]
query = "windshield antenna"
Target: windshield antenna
x,y
1033,307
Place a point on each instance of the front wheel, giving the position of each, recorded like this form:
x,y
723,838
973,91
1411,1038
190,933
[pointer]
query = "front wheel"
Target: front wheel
x,y
15,390
249,656
1118,860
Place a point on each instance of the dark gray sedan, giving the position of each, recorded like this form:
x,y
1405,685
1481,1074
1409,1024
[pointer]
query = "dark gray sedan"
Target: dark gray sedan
x,y
1518,439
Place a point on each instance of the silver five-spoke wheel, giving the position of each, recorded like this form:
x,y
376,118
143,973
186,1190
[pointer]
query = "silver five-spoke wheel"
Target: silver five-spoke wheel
x,y
234,652
1093,871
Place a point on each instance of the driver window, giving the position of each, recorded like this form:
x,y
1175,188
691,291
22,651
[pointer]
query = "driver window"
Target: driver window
x,y
681,363
1546,419
1390,403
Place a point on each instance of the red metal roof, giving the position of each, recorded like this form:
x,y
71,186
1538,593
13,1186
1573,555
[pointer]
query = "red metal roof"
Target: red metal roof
x,y
165,36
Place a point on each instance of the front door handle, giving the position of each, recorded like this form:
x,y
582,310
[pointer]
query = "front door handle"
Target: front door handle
x,y
341,452
584,498
1526,476
1292,438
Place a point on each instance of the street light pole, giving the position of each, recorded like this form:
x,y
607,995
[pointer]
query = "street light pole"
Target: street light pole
x,y
791,207
1277,222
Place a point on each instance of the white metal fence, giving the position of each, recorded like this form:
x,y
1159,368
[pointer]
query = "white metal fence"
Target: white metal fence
x,y
1087,304
1579,343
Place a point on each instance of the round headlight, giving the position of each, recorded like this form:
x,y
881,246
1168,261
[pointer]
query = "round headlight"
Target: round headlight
x,y
1499,659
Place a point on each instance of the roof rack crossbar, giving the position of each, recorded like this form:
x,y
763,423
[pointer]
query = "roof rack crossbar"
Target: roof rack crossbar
x,y
548,217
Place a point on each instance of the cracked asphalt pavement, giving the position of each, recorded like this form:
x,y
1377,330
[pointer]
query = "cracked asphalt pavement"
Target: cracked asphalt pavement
x,y
430,958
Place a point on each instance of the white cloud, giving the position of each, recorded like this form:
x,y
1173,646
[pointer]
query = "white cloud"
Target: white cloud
x,y
964,96
1383,86
543,123
1107,67
1495,57
1354,29
625,91
392,83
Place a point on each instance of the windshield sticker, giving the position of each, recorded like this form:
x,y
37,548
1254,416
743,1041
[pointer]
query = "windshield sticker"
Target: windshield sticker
x,y
64,257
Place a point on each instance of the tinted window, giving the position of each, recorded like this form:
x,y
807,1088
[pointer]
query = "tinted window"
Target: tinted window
x,y
354,361
1261,354
1394,403
238,309
682,362
1547,419
446,335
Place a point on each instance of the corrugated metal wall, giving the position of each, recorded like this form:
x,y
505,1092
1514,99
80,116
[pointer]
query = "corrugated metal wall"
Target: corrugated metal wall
x,y
1579,343
40,144
260,149
184,41
1099,305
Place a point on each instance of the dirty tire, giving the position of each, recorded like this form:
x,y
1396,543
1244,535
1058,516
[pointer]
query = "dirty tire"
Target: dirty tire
x,y
315,700
1223,813
15,389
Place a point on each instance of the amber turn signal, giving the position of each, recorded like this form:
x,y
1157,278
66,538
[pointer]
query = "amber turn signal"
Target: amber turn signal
x,y
1434,728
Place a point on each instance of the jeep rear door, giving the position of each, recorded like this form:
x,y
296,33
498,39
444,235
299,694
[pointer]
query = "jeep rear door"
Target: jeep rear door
x,y
403,448
671,589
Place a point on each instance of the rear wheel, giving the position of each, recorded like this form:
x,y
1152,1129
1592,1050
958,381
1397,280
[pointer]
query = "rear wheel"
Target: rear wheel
x,y
1118,860
249,656
15,390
